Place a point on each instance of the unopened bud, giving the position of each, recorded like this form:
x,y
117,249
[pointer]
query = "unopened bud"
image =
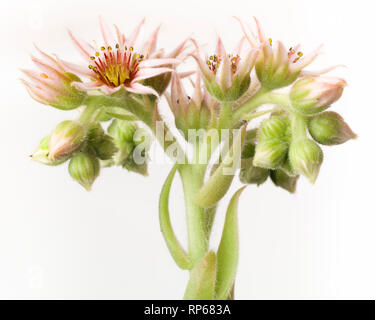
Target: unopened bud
x,y
250,174
281,179
84,168
275,127
329,128
42,152
270,153
66,139
122,130
315,94
305,158
101,144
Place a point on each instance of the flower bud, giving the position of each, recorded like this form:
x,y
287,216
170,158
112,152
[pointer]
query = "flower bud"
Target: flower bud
x,y
42,152
281,179
275,127
67,138
305,158
84,168
315,94
270,153
329,128
248,149
100,144
122,130
250,174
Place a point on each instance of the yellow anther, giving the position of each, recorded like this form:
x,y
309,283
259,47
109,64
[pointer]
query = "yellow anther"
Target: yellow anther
x,y
270,41
131,48
102,48
137,56
126,48
92,58
208,62
117,46
300,54
97,54
43,75
211,58
91,67
109,48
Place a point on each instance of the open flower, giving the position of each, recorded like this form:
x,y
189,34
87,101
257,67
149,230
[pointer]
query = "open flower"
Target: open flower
x,y
226,76
120,63
196,112
276,66
51,84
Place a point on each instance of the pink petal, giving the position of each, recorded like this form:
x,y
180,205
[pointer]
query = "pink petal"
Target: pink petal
x,y
75,68
175,53
106,33
151,43
120,37
317,73
135,34
50,59
224,73
261,36
207,73
146,73
300,64
48,69
141,89
83,47
158,62
246,65
248,36
220,50
197,96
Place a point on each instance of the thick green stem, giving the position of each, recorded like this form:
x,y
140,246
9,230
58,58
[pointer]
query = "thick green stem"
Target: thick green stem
x,y
298,127
192,180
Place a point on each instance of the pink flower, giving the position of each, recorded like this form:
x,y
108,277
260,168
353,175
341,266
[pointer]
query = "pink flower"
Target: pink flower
x,y
51,84
120,64
195,112
276,66
226,76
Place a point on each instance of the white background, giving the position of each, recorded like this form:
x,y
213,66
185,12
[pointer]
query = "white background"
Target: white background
x,y
58,241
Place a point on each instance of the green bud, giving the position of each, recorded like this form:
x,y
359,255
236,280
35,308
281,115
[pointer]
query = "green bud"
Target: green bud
x,y
249,174
42,152
281,179
275,127
329,128
100,144
305,158
67,138
84,168
270,153
122,130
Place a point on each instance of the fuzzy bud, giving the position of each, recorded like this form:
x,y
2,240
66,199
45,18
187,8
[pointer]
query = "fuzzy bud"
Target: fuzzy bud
x,y
315,94
281,179
275,127
270,153
67,138
329,128
305,158
250,174
84,168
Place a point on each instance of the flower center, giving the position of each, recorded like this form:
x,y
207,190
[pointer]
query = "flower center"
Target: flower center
x,y
115,66
214,62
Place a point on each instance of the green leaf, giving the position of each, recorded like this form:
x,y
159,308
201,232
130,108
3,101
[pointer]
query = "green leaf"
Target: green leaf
x,y
227,254
201,285
178,253
120,113
218,184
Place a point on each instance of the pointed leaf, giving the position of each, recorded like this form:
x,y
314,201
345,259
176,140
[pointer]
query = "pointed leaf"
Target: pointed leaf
x,y
227,254
178,253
